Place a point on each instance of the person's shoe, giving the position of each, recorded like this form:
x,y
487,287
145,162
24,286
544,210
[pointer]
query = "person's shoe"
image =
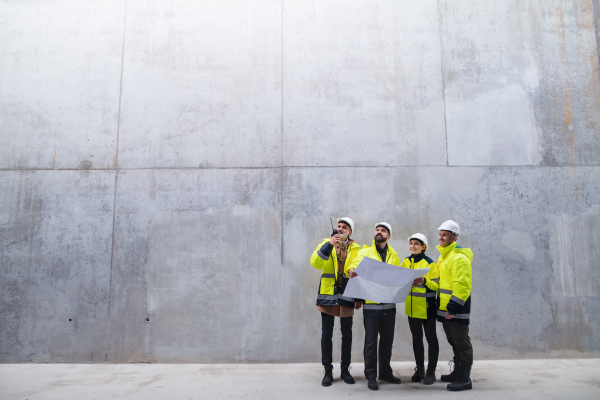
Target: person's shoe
x,y
390,379
328,378
464,380
419,374
429,376
454,374
345,374
373,384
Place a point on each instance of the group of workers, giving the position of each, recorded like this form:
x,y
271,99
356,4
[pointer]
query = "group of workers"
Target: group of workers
x,y
443,294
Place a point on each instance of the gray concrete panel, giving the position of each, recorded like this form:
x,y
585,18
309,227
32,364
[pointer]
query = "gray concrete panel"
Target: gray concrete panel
x,y
201,84
533,232
491,71
198,254
521,82
55,240
568,99
410,199
364,77
522,259
60,68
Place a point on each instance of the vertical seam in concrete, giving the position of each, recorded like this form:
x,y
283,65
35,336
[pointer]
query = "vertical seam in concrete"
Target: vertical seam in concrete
x,y
595,18
442,59
281,144
116,169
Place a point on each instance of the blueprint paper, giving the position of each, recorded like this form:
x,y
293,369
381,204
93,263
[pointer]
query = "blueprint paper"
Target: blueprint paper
x,y
381,282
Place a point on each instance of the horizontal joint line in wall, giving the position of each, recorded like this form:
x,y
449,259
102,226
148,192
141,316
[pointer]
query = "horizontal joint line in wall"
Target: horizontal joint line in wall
x,y
304,167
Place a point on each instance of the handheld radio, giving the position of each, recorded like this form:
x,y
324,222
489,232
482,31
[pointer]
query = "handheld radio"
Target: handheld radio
x,y
335,231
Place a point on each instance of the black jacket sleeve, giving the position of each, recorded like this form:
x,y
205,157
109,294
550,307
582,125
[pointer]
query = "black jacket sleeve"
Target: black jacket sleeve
x,y
326,249
453,307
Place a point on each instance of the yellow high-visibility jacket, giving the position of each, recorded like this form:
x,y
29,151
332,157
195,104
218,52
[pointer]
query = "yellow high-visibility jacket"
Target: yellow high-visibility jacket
x,y
454,264
324,258
420,303
372,308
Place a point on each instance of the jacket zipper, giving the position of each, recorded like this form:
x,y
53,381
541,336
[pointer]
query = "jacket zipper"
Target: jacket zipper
x,y
411,291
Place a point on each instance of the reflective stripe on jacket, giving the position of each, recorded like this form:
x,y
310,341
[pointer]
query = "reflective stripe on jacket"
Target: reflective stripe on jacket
x,y
328,291
372,308
454,265
420,303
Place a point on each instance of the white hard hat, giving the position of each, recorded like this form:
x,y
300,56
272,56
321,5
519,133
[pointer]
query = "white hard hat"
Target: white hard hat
x,y
385,225
450,226
419,236
347,221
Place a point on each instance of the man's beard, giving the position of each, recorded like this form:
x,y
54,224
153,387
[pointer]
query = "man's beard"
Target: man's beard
x,y
379,239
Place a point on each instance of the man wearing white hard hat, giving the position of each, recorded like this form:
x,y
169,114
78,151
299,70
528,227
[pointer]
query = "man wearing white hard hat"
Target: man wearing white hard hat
x,y
420,307
333,256
454,308
379,319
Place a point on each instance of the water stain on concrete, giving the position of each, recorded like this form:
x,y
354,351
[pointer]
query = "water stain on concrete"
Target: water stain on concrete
x,y
575,281
574,250
520,242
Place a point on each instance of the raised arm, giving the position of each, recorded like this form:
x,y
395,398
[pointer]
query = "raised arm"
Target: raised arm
x,y
321,255
357,260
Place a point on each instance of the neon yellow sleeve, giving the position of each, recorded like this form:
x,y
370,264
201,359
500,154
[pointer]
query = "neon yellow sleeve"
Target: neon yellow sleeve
x,y
361,254
317,259
433,277
353,254
461,274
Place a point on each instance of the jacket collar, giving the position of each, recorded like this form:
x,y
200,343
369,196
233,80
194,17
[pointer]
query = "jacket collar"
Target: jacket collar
x,y
390,249
445,250
418,257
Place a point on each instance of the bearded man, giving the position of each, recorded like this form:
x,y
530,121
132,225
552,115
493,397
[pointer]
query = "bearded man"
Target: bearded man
x,y
379,319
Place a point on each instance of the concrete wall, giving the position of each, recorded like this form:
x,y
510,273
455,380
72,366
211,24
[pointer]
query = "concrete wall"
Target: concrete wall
x,y
168,167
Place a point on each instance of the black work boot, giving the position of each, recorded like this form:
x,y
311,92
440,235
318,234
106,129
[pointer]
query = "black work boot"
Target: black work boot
x,y
419,374
464,380
429,376
373,384
345,374
454,374
328,378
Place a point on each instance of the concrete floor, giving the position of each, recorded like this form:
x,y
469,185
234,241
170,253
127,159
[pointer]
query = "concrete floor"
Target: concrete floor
x,y
524,379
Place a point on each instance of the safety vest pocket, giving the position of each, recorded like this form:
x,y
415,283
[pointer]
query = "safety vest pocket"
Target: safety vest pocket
x,y
327,283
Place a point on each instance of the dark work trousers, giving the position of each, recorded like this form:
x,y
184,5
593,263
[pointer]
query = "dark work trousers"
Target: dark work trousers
x,y
327,322
417,326
382,326
458,337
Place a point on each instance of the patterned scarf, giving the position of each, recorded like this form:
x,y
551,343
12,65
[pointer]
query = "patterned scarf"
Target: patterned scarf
x,y
341,250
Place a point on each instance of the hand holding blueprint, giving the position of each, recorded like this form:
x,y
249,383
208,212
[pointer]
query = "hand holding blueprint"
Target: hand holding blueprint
x,y
381,282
